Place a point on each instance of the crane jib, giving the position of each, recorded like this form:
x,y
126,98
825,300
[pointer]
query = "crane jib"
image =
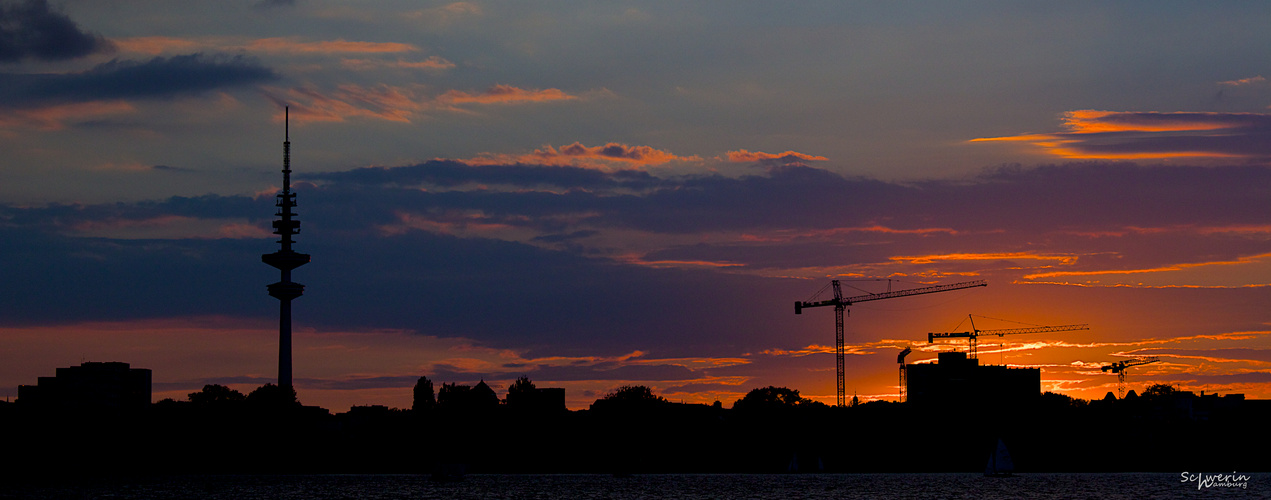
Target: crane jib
x,y
847,301
840,304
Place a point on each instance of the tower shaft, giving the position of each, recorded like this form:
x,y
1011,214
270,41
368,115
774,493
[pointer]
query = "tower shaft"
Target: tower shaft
x,y
285,259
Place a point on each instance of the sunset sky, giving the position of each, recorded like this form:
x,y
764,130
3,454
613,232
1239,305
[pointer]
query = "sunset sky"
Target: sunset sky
x,y
597,194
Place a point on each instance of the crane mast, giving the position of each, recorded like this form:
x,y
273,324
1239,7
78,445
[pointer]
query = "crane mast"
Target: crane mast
x,y
1119,368
841,304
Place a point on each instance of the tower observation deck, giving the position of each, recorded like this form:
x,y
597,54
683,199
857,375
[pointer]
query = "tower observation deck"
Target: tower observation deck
x,y
285,259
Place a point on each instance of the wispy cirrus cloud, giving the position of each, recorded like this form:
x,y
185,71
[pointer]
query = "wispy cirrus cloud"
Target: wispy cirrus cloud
x,y
1245,270
155,45
431,63
577,154
1255,80
1061,259
297,45
383,102
56,117
1093,134
504,94
742,156
398,103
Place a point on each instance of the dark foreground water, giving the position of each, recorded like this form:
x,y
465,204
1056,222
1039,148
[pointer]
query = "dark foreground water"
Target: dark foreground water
x,y
685,486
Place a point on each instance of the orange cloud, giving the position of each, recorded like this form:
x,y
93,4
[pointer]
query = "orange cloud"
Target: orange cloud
x,y
1244,81
1241,261
639,261
397,104
294,45
432,63
155,45
742,156
577,154
504,94
465,224
1064,259
789,235
170,227
1095,134
393,103
1089,121
55,117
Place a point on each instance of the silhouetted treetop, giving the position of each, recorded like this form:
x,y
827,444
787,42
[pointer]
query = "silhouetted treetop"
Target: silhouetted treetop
x,y
521,386
771,398
216,395
633,393
1056,400
273,397
1159,391
629,397
424,398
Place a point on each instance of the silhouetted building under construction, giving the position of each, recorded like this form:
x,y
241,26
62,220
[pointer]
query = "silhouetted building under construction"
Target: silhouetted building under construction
x,y
956,379
92,386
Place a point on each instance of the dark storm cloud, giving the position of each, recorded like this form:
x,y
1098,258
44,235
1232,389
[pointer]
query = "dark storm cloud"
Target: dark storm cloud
x,y
64,217
1076,198
169,168
80,279
443,173
265,4
30,30
160,77
561,300
487,290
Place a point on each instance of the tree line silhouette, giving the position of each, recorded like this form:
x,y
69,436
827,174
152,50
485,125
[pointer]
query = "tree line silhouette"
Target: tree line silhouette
x,y
632,430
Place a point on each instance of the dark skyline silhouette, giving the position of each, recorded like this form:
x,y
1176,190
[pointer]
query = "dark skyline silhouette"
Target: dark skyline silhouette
x,y
486,210
628,431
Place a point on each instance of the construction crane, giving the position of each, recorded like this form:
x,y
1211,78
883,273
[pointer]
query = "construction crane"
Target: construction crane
x,y
971,336
841,304
1119,369
900,359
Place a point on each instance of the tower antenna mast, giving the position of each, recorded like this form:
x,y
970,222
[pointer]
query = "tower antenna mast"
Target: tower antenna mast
x,y
285,259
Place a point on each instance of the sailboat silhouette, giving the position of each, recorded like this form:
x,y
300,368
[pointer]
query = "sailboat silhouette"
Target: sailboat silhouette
x,y
1000,464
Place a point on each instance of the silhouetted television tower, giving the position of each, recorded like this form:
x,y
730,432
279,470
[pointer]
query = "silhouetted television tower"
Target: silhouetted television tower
x,y
285,259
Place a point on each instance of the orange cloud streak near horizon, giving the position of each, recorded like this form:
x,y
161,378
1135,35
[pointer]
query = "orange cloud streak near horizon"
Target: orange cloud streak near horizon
x,y
52,118
504,94
1082,125
340,45
394,103
579,155
1089,121
1244,260
743,155
1064,259
432,63
154,45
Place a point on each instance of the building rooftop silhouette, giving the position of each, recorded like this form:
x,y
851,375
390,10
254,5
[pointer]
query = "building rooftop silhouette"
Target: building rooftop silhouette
x,y
91,386
955,378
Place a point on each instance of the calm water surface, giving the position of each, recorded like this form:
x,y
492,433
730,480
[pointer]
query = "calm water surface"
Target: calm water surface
x,y
682,486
